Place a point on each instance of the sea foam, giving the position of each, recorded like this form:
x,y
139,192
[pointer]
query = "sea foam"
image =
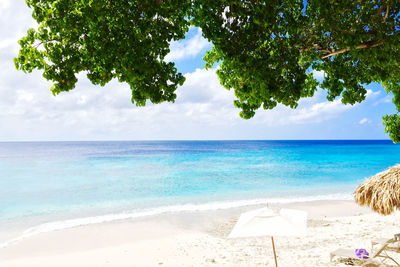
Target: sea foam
x,y
71,223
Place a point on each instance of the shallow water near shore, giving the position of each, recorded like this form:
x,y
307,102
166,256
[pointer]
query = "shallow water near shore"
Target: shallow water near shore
x,y
60,182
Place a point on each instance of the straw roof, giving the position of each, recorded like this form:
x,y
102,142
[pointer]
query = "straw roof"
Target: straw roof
x,y
381,192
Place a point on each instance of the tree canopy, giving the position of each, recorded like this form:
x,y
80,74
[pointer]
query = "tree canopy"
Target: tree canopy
x,y
265,49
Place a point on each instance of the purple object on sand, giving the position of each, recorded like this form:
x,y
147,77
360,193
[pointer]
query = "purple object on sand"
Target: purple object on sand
x,y
362,253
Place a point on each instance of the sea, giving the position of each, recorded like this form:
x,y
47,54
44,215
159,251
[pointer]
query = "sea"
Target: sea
x,y
47,186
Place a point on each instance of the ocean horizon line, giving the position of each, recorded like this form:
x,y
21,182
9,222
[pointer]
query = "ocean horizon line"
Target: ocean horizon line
x,y
181,140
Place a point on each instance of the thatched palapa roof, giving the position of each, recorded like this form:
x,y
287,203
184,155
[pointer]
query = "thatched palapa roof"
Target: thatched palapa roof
x,y
381,192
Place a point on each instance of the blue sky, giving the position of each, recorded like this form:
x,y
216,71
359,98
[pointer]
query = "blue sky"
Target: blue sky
x,y
203,110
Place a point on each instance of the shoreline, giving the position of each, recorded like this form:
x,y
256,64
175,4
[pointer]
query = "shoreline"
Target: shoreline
x,y
199,238
245,204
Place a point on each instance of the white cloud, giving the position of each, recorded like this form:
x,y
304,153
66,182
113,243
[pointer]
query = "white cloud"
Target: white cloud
x,y
364,121
188,48
324,111
383,100
372,94
312,110
203,109
4,4
8,42
89,111
319,112
203,86
319,75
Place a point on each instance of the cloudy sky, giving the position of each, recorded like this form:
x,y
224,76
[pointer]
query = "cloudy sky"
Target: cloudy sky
x,y
203,110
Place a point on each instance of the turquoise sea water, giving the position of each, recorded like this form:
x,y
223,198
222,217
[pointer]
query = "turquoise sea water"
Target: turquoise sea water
x,y
42,182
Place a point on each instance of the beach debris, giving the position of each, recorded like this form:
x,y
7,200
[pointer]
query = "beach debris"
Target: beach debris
x,y
212,260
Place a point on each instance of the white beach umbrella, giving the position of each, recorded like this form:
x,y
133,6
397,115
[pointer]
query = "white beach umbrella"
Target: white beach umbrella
x,y
264,222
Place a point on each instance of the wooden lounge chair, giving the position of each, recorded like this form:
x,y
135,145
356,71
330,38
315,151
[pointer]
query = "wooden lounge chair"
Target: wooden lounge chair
x,y
395,246
380,253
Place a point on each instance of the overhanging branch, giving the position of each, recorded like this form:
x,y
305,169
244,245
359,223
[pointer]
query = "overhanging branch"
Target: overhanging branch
x,y
361,46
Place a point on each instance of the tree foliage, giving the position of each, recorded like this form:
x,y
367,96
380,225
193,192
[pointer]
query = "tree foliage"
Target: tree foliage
x,y
265,48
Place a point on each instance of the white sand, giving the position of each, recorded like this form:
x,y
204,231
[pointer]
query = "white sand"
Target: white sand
x,y
200,239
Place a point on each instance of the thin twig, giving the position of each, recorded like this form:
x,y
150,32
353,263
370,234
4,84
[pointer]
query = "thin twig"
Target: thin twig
x,y
43,42
386,15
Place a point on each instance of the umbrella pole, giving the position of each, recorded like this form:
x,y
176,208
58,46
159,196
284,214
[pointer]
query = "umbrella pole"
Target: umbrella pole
x,y
273,247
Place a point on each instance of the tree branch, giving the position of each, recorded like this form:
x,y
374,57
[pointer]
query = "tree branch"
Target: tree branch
x,y
386,15
361,46
309,48
317,46
43,42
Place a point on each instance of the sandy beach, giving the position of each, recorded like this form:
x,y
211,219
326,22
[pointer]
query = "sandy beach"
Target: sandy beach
x,y
200,239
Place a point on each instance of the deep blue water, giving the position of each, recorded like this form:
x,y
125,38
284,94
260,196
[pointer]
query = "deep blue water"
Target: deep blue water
x,y
70,179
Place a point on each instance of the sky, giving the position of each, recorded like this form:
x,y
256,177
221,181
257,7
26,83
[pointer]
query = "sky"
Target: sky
x,y
203,110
